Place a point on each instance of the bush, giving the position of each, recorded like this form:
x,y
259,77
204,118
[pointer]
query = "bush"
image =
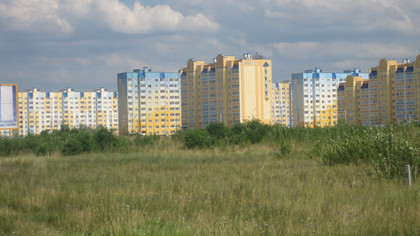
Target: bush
x,y
387,153
44,149
146,140
73,146
105,139
196,138
217,132
9,146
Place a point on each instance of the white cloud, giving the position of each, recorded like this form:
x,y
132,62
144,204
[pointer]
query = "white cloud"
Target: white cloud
x,y
141,19
34,15
56,15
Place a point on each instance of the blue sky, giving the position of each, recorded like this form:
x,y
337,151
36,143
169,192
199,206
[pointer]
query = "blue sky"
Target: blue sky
x,y
83,44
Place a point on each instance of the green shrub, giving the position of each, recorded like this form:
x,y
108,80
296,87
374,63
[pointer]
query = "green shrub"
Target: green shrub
x,y
146,140
284,147
217,132
393,154
44,149
387,152
196,138
105,139
73,146
123,144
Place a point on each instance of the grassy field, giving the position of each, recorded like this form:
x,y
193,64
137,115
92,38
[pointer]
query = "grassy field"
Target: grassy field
x,y
233,191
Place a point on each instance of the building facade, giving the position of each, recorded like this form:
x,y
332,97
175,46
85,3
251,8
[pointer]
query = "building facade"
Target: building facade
x,y
282,105
391,95
314,96
45,111
228,90
351,99
149,102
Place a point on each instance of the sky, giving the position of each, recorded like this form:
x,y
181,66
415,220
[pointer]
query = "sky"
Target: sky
x,y
83,44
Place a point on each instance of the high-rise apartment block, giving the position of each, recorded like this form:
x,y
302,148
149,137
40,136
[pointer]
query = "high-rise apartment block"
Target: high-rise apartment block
x,y
390,95
228,90
149,102
282,105
45,111
314,97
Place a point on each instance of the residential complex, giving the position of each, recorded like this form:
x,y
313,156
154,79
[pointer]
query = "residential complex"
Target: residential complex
x,y
39,111
228,90
149,102
314,96
390,95
282,105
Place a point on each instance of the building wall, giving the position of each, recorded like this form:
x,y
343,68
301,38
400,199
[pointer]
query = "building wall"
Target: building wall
x,y
314,97
403,92
391,95
351,100
282,106
149,102
190,77
228,90
42,111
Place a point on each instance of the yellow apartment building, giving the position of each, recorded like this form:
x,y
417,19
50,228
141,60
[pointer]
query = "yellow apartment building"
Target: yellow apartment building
x,y
350,99
391,95
149,102
228,90
282,106
43,111
315,96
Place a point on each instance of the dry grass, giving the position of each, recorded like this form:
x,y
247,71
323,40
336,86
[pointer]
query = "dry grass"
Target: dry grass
x,y
245,191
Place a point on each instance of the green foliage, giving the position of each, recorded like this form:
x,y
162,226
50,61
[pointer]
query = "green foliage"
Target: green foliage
x,y
217,132
44,149
9,146
386,149
105,139
284,148
196,138
146,140
73,146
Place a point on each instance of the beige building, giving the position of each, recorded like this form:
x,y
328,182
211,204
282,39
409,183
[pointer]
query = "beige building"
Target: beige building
x,y
391,95
149,102
228,90
314,96
282,105
42,111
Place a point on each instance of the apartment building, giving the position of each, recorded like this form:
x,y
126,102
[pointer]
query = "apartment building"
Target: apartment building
x,y
391,95
282,106
314,96
149,102
351,99
227,90
42,111
8,109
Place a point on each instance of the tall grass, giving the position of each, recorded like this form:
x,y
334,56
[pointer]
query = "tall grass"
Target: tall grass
x,y
245,191
387,149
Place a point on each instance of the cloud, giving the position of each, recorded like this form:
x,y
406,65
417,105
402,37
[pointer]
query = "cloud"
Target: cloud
x,y
357,15
34,16
334,50
121,61
57,16
141,19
